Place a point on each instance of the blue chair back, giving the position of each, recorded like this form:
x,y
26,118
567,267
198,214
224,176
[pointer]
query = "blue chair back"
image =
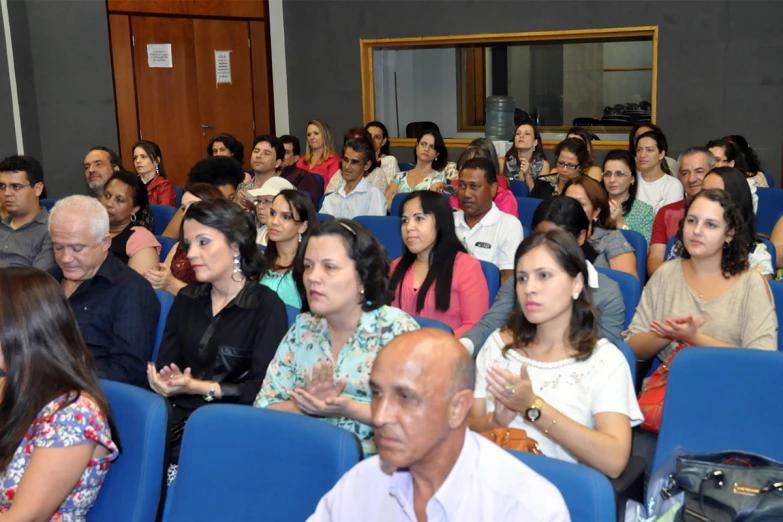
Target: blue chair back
x,y
777,295
527,207
770,209
166,300
432,323
387,230
722,399
519,188
492,275
631,289
669,246
405,167
320,180
321,201
166,244
47,203
271,465
179,191
639,243
324,217
291,312
588,494
132,489
162,214
772,252
770,180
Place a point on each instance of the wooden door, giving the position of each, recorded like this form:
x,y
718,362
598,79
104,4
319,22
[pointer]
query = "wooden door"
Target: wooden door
x,y
225,107
167,98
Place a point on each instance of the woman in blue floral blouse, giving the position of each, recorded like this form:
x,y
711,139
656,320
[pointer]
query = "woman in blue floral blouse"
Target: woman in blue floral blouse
x,y
322,367
56,442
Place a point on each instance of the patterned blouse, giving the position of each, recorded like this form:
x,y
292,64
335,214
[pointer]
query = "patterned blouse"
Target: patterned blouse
x,y
426,184
640,219
307,343
58,427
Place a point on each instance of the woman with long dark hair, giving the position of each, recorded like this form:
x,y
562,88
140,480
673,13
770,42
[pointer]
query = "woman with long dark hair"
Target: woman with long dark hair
x,y
57,434
290,217
655,186
619,179
547,372
571,157
148,161
591,169
379,137
431,156
525,160
435,277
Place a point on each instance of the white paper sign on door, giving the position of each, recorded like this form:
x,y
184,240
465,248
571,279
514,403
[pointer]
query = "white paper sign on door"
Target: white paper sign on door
x,y
222,67
159,55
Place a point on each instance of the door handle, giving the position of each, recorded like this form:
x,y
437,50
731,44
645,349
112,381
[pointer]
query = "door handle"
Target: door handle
x,y
204,129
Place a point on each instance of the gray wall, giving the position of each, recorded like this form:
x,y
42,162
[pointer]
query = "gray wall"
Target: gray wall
x,y
720,69
64,79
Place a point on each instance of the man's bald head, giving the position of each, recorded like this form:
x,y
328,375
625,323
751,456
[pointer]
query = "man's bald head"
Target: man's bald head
x,y
422,384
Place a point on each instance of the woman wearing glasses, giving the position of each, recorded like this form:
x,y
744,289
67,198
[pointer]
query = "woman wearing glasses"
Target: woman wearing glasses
x,y
627,212
572,156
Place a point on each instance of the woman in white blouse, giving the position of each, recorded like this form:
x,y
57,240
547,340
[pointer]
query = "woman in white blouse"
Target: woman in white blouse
x,y
547,373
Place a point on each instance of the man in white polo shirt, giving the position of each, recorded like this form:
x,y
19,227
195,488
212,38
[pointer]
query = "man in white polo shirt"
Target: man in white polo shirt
x,y
358,197
487,233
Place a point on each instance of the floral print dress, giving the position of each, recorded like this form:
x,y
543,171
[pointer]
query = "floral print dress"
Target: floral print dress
x,y
62,427
307,343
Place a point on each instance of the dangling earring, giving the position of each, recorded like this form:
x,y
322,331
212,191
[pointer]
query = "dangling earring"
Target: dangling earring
x,y
237,270
133,218
300,238
575,296
157,169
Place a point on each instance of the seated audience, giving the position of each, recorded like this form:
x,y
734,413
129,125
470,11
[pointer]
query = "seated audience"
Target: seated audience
x,y
222,332
435,277
322,365
226,145
640,128
379,137
430,156
125,198
525,161
375,174
319,157
707,298
99,165
148,161
357,196
487,233
625,209
752,161
223,173
23,232
266,158
656,187
590,169
504,198
734,182
115,307
566,214
57,434
694,163
262,199
429,465
175,272
586,419
572,157
290,217
299,178
613,250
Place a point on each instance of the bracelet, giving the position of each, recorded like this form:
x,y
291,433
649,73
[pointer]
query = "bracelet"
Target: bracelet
x,y
546,431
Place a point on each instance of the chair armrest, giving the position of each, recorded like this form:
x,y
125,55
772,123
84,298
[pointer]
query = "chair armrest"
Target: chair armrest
x,y
629,485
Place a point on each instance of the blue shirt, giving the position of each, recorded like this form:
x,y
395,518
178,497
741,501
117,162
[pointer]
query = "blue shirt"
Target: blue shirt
x,y
364,200
117,312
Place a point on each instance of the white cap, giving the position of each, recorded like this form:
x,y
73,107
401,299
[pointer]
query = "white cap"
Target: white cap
x,y
272,187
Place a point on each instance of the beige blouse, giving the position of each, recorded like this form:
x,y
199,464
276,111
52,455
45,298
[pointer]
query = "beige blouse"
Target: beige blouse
x,y
744,316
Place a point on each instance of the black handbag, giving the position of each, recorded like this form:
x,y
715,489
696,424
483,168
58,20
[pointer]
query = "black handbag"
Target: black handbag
x,y
729,486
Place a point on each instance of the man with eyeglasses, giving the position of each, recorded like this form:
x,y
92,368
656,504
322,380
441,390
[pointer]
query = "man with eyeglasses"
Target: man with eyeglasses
x,y
24,237
262,199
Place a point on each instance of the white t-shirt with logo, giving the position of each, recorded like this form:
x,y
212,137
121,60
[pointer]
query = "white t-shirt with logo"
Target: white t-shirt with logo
x,y
494,239
659,193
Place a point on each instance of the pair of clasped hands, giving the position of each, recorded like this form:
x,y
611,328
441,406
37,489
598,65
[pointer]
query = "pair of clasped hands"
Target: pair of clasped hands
x,y
678,329
513,393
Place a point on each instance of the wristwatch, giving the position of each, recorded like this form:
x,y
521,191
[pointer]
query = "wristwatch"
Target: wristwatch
x,y
533,413
211,396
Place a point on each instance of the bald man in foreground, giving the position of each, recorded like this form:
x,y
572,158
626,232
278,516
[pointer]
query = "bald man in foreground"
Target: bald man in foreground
x,y
429,466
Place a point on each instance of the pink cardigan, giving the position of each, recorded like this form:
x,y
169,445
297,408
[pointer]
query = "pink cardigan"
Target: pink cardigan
x,y
469,298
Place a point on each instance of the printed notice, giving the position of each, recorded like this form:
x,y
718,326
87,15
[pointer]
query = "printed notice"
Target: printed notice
x,y
159,55
222,67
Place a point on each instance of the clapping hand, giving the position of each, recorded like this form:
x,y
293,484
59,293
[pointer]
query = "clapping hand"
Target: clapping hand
x,y
616,212
514,392
321,393
679,329
169,381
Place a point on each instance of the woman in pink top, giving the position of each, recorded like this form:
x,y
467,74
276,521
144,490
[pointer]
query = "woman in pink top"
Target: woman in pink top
x,y
319,157
435,278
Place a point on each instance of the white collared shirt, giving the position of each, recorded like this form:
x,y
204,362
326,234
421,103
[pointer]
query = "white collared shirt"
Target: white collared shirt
x,y
495,238
364,200
486,483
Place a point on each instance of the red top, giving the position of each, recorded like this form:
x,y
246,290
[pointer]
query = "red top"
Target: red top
x,y
160,191
667,222
468,301
325,169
